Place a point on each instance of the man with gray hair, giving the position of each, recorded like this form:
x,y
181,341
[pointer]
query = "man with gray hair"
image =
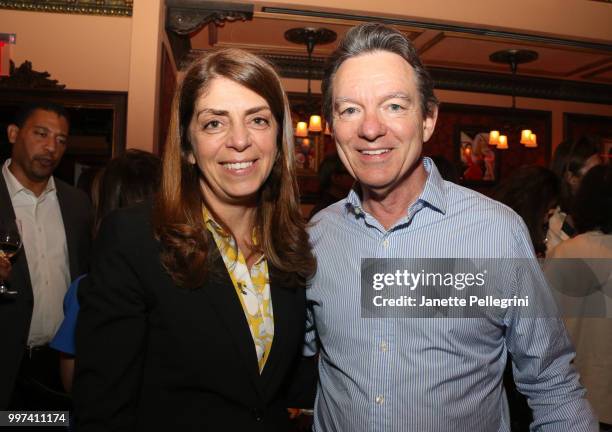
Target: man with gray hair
x,y
425,374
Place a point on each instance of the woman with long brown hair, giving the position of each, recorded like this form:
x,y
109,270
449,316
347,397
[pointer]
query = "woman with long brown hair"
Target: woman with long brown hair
x,y
193,315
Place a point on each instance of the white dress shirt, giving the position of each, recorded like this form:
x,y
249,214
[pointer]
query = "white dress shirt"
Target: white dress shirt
x,y
44,242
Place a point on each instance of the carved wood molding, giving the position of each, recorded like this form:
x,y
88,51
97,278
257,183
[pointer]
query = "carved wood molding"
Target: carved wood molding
x,y
86,7
184,17
524,86
478,31
292,66
187,16
24,77
471,81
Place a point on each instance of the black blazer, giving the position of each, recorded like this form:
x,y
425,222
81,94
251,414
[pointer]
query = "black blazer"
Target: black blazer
x,y
16,312
152,356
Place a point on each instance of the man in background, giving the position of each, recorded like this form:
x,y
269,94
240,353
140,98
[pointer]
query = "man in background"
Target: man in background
x,y
55,223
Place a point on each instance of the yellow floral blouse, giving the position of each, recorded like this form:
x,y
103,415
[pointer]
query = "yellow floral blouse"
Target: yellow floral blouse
x,y
252,287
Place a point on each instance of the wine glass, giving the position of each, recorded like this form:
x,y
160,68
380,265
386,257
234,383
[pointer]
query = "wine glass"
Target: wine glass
x,y
10,244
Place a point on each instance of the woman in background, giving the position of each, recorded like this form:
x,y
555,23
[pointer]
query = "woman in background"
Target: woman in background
x,y
532,192
126,180
193,315
580,269
571,161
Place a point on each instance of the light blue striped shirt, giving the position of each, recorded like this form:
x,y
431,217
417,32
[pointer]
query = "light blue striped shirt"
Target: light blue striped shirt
x,y
418,375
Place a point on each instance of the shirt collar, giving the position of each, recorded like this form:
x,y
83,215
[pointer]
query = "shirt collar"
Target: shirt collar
x,y
222,237
433,195
212,224
14,186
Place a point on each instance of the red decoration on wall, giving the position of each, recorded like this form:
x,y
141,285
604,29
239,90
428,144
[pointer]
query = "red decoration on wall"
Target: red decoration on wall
x,y
4,64
6,39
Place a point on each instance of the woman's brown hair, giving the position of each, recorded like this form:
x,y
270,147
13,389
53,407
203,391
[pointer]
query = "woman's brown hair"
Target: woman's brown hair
x,y
126,180
178,222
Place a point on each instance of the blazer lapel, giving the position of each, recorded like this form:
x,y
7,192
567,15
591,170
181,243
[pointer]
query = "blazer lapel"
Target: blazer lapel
x,y
20,271
282,305
67,218
7,213
222,295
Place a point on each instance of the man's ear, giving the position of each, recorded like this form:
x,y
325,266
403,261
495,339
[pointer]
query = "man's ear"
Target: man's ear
x,y
12,131
429,124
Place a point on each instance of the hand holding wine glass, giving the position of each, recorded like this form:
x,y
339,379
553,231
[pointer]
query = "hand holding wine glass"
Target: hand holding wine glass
x,y
10,244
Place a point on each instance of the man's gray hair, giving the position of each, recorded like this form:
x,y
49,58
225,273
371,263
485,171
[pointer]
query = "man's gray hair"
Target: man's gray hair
x,y
371,37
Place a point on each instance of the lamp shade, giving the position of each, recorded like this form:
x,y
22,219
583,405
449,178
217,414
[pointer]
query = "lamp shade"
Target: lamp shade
x,y
314,125
301,130
502,143
525,136
533,141
493,137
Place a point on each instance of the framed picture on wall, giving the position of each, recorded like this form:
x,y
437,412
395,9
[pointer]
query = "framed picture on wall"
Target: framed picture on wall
x,y
307,154
477,161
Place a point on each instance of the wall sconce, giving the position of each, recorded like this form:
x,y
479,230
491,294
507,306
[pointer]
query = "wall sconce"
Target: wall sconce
x,y
494,137
533,141
301,130
525,136
314,125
